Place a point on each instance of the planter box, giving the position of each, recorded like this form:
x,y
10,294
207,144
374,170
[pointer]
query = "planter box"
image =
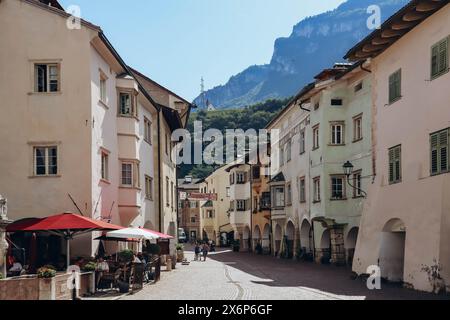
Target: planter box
x,y
33,288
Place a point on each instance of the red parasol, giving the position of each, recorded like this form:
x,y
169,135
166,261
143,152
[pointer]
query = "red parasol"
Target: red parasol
x,y
67,225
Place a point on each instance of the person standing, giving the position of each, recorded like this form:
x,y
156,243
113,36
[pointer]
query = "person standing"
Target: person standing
x,y
197,251
205,251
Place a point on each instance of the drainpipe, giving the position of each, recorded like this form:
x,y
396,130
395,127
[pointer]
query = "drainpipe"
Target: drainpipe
x,y
251,208
159,173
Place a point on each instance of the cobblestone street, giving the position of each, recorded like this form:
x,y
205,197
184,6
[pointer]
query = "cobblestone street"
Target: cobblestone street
x,y
244,276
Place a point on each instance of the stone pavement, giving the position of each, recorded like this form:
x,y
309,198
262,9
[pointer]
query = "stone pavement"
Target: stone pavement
x,y
245,276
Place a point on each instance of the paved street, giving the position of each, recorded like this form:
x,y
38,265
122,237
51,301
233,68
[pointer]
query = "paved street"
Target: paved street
x,y
244,276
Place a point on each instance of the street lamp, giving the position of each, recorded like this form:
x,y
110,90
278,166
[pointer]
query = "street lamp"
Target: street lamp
x,y
348,170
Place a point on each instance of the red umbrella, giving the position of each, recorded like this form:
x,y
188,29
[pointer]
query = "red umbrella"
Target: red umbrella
x,y
67,225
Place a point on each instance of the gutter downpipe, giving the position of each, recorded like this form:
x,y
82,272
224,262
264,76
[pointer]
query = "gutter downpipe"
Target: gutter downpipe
x,y
159,172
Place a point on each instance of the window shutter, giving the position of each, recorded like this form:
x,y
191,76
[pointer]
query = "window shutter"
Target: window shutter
x,y
434,60
391,88
434,153
398,163
443,55
443,152
391,165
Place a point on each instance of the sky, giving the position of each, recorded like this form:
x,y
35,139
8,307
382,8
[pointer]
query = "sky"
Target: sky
x,y
176,42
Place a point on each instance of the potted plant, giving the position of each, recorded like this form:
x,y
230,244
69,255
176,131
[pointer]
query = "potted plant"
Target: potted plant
x,y
180,252
154,249
46,273
89,267
1,276
126,255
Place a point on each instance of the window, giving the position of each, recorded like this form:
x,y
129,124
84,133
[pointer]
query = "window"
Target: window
x,y
105,162
241,205
302,189
256,172
167,192
232,178
265,201
289,194
395,86
103,88
147,130
46,77
316,106
337,102
172,195
278,197
337,188
192,219
316,137
241,177
439,152
149,188
127,174
316,182
395,167
281,156
357,186
359,87
337,133
288,151
210,214
255,204
439,58
228,192
357,128
302,141
125,104
166,137
193,204
45,161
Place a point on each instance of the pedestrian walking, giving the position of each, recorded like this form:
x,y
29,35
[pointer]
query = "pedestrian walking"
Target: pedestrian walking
x,y
205,251
197,251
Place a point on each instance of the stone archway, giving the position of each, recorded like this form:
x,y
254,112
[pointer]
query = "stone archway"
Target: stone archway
x,y
277,238
306,237
350,245
256,237
246,239
290,238
392,250
324,253
266,238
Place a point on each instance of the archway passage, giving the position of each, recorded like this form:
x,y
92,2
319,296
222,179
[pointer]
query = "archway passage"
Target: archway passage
x,y
290,237
324,254
350,245
266,238
277,238
257,238
392,250
247,241
306,241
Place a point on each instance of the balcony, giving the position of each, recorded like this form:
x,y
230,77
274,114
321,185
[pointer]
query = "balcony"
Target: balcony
x,y
129,204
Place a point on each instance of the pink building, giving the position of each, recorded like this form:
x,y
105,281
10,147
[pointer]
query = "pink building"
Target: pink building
x,y
405,227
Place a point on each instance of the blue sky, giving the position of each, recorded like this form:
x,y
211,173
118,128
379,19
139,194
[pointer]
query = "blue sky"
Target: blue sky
x,y
176,42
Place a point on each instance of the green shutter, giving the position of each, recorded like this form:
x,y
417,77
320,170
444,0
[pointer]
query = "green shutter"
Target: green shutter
x,y
443,56
395,164
434,141
395,86
439,58
443,150
391,165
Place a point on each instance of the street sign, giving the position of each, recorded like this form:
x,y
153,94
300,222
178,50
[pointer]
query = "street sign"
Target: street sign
x,y
203,196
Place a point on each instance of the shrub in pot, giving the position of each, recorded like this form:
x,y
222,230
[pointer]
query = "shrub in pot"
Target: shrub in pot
x,y
126,255
180,253
89,267
46,273
153,249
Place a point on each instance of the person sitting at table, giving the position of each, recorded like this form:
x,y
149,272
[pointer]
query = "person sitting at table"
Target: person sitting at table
x,y
16,267
136,259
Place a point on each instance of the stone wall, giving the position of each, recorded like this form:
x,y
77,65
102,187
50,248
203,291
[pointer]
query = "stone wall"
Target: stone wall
x,y
337,246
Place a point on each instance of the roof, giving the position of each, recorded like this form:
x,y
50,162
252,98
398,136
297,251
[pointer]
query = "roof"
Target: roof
x,y
193,185
172,117
159,85
399,24
278,178
53,3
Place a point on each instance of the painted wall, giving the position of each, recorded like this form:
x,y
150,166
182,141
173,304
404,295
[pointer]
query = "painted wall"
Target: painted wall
x,y
420,201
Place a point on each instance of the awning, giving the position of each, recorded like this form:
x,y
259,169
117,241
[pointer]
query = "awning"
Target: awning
x,y
159,234
134,233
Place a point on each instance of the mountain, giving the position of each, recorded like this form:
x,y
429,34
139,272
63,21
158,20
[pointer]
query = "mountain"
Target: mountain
x,y
315,43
